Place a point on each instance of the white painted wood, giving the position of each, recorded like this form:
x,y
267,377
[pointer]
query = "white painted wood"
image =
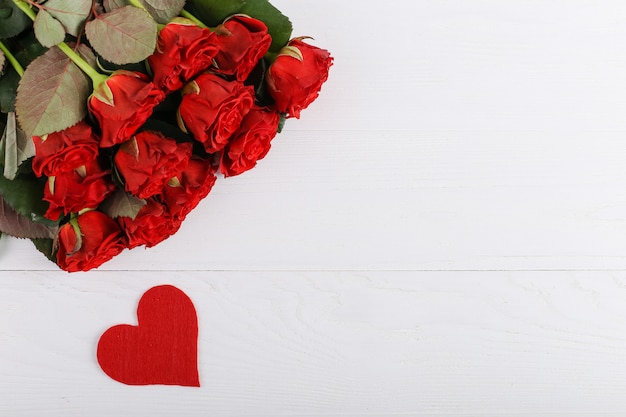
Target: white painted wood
x,y
330,344
442,234
404,200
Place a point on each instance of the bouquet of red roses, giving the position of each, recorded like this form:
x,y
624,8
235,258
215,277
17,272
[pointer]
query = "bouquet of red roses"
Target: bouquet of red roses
x,y
118,115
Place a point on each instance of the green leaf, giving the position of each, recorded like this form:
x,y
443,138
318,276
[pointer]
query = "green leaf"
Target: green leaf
x,y
278,24
12,20
281,122
122,204
166,4
52,94
8,89
14,224
17,147
2,62
213,12
257,79
26,48
48,30
124,35
71,13
166,10
87,54
45,246
114,4
25,195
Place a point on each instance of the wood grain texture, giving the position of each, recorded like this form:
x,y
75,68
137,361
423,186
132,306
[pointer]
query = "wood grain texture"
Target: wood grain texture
x,y
403,201
442,234
330,344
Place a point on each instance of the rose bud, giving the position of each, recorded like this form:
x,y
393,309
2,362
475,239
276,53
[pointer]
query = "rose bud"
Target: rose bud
x,y
183,51
83,188
88,241
251,142
151,226
242,41
183,192
149,160
212,109
122,104
64,151
295,78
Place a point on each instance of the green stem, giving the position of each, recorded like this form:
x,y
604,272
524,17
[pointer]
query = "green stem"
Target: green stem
x,y
77,232
95,76
25,7
137,3
14,63
184,13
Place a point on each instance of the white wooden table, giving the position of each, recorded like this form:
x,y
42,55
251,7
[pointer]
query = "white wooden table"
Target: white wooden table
x,y
443,233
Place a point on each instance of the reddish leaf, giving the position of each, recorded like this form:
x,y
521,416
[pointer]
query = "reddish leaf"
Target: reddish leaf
x,y
71,13
122,36
114,4
2,62
52,94
122,204
14,224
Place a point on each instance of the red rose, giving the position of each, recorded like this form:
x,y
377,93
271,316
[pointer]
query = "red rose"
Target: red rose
x,y
83,188
149,160
183,51
242,41
183,192
296,76
152,225
251,142
122,104
93,239
212,109
64,151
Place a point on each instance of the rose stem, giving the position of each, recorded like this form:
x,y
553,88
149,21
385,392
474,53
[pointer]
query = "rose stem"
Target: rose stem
x,y
25,7
14,63
95,76
138,4
184,13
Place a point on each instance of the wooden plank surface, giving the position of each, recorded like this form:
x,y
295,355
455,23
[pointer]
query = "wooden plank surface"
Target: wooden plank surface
x,y
330,344
429,201
443,233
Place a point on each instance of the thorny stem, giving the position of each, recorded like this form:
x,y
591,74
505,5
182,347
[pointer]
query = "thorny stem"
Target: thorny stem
x,y
95,76
184,13
14,63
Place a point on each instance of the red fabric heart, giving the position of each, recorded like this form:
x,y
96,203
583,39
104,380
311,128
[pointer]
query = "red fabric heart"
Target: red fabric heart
x,y
162,349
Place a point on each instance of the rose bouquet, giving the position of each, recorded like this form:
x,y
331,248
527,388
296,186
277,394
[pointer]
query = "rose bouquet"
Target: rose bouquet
x,y
118,116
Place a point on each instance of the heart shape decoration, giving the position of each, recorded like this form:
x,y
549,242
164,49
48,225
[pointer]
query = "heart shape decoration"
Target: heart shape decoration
x,y
162,349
